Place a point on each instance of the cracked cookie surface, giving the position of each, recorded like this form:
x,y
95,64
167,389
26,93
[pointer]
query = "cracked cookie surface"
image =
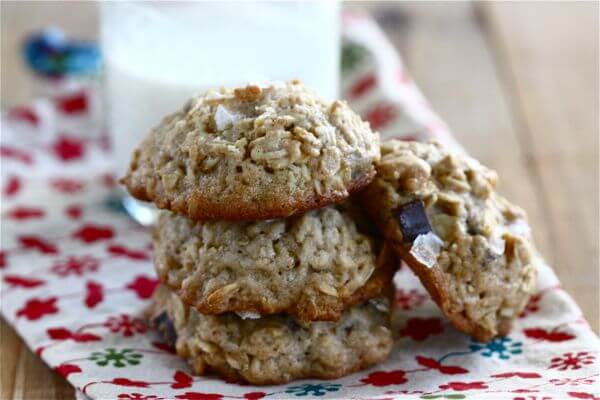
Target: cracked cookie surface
x,y
470,247
254,153
274,349
310,265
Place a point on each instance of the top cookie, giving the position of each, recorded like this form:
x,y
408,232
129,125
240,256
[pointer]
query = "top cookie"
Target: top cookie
x,y
469,246
254,153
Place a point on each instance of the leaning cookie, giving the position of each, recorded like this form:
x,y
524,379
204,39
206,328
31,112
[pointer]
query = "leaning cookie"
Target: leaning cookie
x,y
274,349
470,247
254,153
310,265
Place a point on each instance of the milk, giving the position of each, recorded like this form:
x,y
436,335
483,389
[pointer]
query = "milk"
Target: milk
x,y
158,54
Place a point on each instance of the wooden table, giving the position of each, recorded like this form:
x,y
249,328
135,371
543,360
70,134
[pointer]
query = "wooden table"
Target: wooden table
x,y
517,83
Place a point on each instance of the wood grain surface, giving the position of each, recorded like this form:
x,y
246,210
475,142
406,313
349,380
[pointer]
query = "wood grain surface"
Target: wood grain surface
x,y
516,82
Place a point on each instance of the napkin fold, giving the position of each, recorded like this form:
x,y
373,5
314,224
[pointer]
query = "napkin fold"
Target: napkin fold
x,y
77,272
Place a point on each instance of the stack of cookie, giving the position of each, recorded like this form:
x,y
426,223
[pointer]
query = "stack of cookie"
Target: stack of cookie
x,y
271,273
268,271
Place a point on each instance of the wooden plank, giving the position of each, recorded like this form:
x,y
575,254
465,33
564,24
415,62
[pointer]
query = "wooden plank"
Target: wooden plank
x,y
548,56
10,349
24,375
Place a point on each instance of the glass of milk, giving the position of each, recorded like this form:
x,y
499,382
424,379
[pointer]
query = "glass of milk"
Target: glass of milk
x,y
159,54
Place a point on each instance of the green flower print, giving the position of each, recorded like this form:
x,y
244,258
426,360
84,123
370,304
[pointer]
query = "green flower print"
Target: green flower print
x,y
352,55
117,358
316,389
503,347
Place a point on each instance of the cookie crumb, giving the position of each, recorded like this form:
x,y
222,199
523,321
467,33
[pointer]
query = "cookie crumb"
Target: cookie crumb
x,y
248,94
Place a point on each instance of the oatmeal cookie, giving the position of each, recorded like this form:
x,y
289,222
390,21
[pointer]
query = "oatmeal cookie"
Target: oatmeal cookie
x,y
254,153
274,349
470,247
310,265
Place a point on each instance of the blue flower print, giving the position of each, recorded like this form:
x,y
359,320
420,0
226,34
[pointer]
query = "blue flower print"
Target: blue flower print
x,y
316,389
504,347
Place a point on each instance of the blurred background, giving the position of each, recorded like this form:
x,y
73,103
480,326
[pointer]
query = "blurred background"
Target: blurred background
x,y
516,82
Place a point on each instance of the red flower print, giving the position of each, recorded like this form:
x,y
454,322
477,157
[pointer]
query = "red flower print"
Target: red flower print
x,y
67,185
582,395
138,396
460,386
66,369
572,382
571,361
64,334
74,211
549,336
2,259
121,251
85,337
407,300
531,397
532,306
380,115
108,180
68,148
16,154
12,187
420,329
143,286
129,382
525,391
73,103
182,380
90,233
522,375
22,213
361,87
75,265
444,369
94,294
35,309
30,242
199,396
23,282
59,333
385,378
24,114
164,347
254,395
126,325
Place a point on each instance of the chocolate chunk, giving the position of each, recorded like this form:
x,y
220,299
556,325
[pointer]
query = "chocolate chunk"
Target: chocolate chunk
x,y
412,220
165,327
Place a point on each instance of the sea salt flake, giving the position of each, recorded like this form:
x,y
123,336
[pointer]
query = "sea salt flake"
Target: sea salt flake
x,y
225,118
426,248
520,228
496,241
248,315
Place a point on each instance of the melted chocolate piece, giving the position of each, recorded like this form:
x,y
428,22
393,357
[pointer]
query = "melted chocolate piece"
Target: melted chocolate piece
x,y
412,220
165,327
